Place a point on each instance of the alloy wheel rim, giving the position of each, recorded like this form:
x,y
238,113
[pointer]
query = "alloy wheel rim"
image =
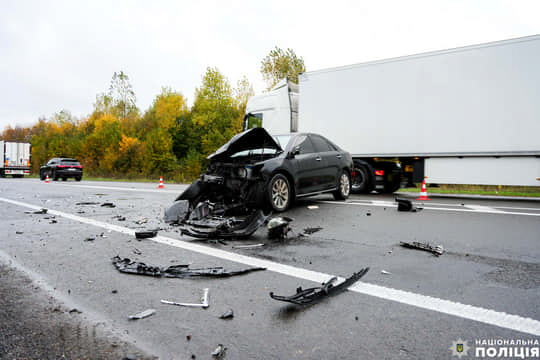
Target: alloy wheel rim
x,y
280,193
345,185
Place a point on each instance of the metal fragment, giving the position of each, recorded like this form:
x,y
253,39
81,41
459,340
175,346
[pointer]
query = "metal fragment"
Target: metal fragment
x,y
219,351
203,304
146,234
229,314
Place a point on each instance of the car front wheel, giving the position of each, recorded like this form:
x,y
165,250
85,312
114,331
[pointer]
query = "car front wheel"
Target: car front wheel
x,y
344,186
280,193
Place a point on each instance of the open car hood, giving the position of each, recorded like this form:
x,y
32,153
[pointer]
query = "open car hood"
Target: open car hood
x,y
255,138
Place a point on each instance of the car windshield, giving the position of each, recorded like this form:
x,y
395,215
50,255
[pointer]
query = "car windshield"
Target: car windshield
x,y
282,140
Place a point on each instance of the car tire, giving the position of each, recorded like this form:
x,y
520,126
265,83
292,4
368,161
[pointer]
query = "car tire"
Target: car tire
x,y
280,193
41,176
343,187
64,179
78,178
362,182
54,176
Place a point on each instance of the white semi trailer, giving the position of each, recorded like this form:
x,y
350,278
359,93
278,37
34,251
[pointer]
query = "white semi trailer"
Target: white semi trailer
x,y
15,158
469,115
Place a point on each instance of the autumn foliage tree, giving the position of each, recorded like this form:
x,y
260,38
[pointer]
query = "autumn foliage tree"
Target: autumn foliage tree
x,y
279,64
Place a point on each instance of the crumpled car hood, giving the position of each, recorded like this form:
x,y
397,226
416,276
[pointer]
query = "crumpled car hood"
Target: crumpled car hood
x,y
251,139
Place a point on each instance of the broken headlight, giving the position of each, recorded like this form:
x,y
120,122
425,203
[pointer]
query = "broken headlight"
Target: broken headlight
x,y
242,172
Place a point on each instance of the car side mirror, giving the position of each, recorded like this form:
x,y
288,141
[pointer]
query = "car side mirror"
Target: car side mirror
x,y
294,152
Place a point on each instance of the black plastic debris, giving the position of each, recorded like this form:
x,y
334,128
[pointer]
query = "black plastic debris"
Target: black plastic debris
x,y
175,271
406,205
229,314
108,205
119,218
219,352
37,212
278,227
313,295
142,315
436,250
146,234
212,227
87,203
309,231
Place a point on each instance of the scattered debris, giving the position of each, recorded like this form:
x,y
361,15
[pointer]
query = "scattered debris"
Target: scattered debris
x,y
406,205
141,221
278,227
313,295
75,311
203,304
108,204
368,213
114,292
436,250
142,315
229,314
309,231
219,351
37,212
53,221
146,234
312,207
175,271
137,251
87,203
248,246
90,239
119,218
384,272
19,232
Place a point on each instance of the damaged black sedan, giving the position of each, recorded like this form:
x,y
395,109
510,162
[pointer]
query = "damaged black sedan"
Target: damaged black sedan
x,y
256,172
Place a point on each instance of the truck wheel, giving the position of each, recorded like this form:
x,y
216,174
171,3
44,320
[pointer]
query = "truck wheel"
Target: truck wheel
x,y
279,193
362,181
344,186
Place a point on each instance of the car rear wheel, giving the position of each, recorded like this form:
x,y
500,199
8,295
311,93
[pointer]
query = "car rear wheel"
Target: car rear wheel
x,y
344,186
78,178
280,193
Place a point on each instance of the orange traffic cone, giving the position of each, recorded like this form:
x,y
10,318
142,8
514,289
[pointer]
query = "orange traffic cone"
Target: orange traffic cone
x,y
47,179
423,192
161,186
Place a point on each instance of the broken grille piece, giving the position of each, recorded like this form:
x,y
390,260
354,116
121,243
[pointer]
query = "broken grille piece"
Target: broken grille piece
x,y
437,250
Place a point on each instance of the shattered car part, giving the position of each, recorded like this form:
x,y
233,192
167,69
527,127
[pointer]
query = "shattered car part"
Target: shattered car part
x,y
437,250
146,234
313,295
211,227
229,314
253,246
203,304
219,351
108,204
406,205
309,231
175,271
87,203
279,227
142,315
37,212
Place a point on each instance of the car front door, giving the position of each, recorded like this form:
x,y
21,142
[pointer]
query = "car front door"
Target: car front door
x,y
330,161
307,165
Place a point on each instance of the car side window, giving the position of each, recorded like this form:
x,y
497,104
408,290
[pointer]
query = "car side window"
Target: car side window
x,y
305,145
321,145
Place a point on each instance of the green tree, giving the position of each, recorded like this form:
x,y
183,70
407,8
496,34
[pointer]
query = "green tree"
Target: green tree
x,y
214,111
243,92
279,64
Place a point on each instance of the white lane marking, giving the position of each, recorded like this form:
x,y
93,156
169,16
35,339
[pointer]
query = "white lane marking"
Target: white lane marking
x,y
427,207
128,189
475,313
485,209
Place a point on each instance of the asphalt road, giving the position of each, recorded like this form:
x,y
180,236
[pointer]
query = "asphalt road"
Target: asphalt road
x,y
410,305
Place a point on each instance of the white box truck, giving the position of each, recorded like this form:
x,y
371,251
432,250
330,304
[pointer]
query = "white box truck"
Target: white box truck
x,y
469,115
15,158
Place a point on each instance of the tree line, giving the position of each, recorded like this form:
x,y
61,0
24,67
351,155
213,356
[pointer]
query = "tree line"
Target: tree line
x,y
169,138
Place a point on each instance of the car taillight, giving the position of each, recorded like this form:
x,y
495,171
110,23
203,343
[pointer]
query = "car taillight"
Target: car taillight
x,y
61,166
379,172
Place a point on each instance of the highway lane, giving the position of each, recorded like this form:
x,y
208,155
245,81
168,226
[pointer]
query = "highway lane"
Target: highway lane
x,y
492,263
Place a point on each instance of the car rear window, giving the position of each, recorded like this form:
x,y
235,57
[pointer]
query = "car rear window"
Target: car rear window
x,y
70,162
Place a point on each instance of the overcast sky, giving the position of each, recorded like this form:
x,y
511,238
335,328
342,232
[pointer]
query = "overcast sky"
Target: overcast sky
x,y
58,55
